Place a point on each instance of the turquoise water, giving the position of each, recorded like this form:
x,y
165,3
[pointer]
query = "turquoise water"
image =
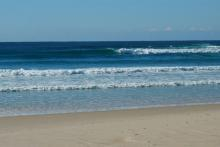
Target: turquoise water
x,y
61,77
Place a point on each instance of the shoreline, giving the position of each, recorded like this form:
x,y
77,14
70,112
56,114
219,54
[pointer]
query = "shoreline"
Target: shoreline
x,y
196,126
116,109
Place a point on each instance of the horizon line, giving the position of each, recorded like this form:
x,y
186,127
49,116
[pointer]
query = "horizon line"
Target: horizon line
x,y
109,41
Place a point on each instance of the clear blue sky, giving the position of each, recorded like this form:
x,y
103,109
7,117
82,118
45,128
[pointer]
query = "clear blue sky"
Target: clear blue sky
x,y
93,20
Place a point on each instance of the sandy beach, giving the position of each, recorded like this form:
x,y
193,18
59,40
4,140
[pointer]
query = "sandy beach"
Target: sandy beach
x,y
182,126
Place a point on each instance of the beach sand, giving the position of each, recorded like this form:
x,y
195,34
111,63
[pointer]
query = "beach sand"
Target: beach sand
x,y
181,126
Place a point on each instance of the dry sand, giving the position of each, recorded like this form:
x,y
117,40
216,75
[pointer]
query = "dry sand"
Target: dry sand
x,y
183,126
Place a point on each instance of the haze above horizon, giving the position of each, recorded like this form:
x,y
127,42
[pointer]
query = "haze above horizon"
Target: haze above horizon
x,y
109,20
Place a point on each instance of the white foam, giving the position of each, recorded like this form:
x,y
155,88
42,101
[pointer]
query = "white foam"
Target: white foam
x,y
146,51
127,70
107,86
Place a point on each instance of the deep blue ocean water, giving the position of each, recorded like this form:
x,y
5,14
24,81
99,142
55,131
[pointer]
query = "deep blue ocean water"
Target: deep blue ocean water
x,y
61,77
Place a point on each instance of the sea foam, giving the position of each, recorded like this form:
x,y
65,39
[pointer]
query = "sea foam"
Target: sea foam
x,y
107,70
146,51
107,86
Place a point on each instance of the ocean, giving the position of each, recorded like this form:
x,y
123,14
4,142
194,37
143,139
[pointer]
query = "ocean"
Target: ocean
x,y
63,77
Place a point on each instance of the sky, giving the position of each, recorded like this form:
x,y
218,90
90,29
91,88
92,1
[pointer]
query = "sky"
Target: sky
x,y
109,20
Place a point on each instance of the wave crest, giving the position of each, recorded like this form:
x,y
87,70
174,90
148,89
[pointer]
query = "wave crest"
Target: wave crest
x,y
109,86
128,70
147,51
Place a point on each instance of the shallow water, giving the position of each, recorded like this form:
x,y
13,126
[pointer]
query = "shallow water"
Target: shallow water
x,y
59,77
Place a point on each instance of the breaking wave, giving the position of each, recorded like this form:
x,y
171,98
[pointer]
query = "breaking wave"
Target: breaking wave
x,y
110,70
147,51
107,86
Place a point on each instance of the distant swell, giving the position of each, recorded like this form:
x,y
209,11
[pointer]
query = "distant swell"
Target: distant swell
x,y
128,70
107,86
63,53
146,51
